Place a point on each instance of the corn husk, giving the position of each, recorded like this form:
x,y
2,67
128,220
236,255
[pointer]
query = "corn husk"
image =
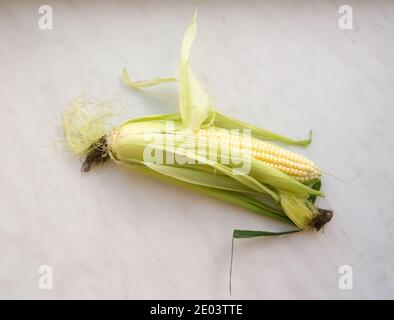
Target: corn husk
x,y
264,189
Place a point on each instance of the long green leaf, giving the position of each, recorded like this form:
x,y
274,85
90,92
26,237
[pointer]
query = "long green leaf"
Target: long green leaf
x,y
242,234
226,122
238,234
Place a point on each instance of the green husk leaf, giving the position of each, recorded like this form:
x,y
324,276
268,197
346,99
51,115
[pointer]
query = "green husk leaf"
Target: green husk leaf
x,y
195,102
247,202
315,186
298,209
277,179
144,83
202,178
226,122
155,117
242,200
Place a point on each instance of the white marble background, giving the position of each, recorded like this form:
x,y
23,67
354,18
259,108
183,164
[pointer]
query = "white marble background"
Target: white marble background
x,y
283,65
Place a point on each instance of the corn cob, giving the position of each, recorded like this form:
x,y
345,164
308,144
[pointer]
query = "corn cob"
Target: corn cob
x,y
290,163
289,179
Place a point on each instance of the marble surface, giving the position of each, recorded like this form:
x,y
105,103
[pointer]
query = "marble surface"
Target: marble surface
x,y
283,65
